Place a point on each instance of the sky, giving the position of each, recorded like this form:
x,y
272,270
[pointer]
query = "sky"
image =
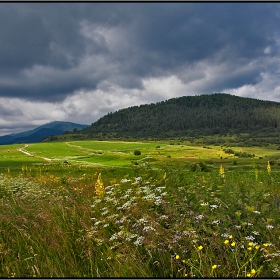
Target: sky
x,y
78,61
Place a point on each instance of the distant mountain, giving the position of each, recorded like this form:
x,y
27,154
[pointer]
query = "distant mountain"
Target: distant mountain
x,y
190,116
43,131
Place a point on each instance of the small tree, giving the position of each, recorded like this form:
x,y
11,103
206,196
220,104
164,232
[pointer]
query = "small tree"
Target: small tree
x,y
137,153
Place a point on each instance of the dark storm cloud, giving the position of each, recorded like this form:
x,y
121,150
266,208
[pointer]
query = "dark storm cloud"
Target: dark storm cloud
x,y
48,51
174,34
24,41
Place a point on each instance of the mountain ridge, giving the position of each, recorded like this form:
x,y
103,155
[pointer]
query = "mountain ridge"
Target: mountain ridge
x,y
39,133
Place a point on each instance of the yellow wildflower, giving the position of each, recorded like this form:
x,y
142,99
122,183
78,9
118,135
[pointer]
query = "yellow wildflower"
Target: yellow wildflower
x,y
226,242
230,237
238,213
269,220
250,208
200,248
177,257
253,271
99,187
214,266
250,248
257,247
268,167
250,244
222,172
233,244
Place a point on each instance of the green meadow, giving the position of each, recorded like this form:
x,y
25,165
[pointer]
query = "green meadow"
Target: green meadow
x,y
175,210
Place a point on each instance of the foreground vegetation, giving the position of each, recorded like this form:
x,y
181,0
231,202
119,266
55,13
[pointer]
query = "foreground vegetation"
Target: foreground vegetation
x,y
175,210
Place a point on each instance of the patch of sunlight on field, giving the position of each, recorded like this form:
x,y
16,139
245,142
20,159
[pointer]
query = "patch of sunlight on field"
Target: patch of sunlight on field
x,y
10,156
110,160
116,145
12,147
268,151
54,150
182,151
114,153
18,160
121,153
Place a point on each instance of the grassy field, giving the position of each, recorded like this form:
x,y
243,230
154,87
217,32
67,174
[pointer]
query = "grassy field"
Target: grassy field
x,y
95,209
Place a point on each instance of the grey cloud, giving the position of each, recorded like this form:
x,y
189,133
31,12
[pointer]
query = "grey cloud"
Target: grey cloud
x,y
170,36
147,40
24,41
9,112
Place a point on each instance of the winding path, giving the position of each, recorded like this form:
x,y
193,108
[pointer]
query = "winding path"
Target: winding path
x,y
28,154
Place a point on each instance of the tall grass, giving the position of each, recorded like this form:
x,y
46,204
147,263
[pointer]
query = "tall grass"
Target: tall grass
x,y
145,222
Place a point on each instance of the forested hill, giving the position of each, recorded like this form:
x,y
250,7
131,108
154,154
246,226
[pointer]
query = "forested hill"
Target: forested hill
x,y
217,113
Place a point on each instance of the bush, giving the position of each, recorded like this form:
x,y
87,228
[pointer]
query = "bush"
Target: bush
x,y
137,153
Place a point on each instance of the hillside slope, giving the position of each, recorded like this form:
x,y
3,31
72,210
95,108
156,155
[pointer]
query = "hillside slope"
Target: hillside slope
x,y
188,116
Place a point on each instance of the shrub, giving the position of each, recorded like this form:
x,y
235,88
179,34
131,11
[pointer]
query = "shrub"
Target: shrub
x,y
137,153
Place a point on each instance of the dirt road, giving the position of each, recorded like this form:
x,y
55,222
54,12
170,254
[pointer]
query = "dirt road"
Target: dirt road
x,y
28,154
